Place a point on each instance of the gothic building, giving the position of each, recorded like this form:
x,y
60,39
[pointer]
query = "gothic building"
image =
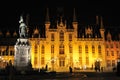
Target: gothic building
x,y
60,45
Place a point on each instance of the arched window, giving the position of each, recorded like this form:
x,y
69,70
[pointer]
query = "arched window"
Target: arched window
x,y
80,49
86,48
42,49
99,49
52,48
70,49
61,49
61,36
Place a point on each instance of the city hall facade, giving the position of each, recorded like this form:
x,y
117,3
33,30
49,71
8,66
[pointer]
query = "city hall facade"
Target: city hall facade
x,y
61,46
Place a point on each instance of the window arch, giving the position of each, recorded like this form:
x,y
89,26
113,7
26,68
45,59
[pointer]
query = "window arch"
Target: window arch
x,y
61,49
61,36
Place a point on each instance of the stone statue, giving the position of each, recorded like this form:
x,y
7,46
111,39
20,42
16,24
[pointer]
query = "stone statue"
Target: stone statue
x,y
22,28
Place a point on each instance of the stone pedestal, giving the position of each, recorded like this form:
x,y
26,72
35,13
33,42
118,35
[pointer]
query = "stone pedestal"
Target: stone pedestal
x,y
22,55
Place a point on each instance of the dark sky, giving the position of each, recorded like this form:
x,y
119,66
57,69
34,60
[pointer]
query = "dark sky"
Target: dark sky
x,y
85,11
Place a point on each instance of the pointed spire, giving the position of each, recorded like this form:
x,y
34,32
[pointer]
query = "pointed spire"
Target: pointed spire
x,y
109,37
27,19
101,23
74,16
97,20
47,16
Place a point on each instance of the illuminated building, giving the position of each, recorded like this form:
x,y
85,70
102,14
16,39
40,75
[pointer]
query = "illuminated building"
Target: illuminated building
x,y
79,46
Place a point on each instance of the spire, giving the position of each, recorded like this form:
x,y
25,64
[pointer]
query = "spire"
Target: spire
x,y
47,16
97,20
109,37
101,23
74,16
27,19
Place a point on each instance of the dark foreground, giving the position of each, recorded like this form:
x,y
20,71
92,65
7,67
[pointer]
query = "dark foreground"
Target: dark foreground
x,y
63,76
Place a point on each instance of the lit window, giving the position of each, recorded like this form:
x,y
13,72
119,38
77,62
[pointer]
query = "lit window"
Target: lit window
x,y
112,53
86,49
113,63
61,49
87,60
35,49
42,49
61,36
52,37
116,45
70,49
80,60
106,45
35,60
70,37
80,49
61,62
107,53
108,63
111,45
42,61
52,48
99,49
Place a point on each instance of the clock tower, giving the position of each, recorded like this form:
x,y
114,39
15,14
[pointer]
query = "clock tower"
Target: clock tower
x,y
22,57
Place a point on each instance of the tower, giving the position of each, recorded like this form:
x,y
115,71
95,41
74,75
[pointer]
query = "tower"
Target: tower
x,y
102,30
22,57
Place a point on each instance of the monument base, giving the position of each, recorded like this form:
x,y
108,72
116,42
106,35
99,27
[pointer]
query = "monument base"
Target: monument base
x,y
22,59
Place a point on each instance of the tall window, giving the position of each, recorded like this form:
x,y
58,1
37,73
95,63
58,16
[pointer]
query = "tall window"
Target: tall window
x,y
62,62
118,54
52,37
116,45
111,45
112,53
42,61
61,36
35,60
11,52
113,63
99,49
87,60
93,49
70,49
61,49
106,45
86,48
52,48
35,49
80,49
42,49
108,63
80,60
70,37
107,53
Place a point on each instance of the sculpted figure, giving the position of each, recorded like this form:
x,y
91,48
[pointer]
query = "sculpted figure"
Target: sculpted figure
x,y
22,28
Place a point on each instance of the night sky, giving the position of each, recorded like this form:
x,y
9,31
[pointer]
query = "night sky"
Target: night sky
x,y
85,11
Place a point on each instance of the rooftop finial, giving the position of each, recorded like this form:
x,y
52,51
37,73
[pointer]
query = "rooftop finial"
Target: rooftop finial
x,y
47,15
101,23
74,16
